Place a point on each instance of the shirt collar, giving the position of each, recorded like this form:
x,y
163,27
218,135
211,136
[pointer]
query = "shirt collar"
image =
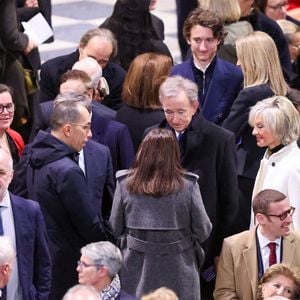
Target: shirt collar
x,y
263,241
6,200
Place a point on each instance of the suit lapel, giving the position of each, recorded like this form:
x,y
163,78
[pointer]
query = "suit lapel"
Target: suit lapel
x,y
250,259
289,250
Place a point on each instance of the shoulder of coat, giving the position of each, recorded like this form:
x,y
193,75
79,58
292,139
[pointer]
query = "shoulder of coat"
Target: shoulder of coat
x,y
121,174
191,176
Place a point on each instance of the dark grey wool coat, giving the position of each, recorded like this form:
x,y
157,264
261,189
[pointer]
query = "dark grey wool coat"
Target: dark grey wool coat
x,y
160,238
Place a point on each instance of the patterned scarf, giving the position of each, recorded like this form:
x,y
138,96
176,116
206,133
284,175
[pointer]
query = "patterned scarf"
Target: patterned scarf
x,y
112,291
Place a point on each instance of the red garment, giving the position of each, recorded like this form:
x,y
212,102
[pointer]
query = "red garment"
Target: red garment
x,y
18,140
294,4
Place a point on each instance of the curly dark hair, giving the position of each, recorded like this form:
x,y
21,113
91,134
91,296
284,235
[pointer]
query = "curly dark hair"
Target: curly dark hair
x,y
205,18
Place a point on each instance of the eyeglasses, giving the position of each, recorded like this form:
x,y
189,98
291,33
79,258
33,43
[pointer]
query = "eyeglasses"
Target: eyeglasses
x,y
283,215
86,127
10,107
279,6
82,264
296,47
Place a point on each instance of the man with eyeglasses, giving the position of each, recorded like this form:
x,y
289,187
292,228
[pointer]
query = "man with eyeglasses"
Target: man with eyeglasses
x,y
247,255
55,179
99,266
209,151
99,44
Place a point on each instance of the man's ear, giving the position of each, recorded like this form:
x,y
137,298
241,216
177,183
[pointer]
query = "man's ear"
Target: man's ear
x,y
67,130
260,218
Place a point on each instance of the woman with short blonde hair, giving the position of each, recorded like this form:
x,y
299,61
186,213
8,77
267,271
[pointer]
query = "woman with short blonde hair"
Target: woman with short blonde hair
x,y
273,282
263,78
276,125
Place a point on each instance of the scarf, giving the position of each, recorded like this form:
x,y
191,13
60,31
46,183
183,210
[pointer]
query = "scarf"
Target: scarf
x,y
112,291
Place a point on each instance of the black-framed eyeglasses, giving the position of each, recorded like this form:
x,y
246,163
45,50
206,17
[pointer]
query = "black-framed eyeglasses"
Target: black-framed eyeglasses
x,y
82,264
10,107
283,215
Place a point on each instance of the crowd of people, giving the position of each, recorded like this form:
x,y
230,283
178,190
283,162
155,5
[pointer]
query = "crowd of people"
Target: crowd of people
x,y
149,180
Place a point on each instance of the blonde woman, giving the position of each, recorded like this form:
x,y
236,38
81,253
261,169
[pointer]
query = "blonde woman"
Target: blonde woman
x,y
229,12
263,78
276,125
279,281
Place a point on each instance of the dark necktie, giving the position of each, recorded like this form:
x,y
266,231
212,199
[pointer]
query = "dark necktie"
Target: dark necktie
x,y
272,256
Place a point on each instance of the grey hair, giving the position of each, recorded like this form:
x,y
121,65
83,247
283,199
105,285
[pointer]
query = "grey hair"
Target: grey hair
x,y
81,291
105,254
66,108
91,67
103,33
173,85
7,252
279,116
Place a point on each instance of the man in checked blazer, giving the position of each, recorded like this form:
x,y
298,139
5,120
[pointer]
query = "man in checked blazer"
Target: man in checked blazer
x,y
245,256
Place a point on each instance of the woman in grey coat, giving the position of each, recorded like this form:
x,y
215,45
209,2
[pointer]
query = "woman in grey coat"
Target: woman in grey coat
x,y
160,221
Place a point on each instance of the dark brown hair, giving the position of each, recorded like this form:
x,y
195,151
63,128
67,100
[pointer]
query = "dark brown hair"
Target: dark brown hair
x,y
157,170
145,75
205,18
263,199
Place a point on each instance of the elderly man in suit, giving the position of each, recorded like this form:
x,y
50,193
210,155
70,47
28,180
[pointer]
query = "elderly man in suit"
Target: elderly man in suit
x,y
219,81
98,43
209,151
246,256
23,222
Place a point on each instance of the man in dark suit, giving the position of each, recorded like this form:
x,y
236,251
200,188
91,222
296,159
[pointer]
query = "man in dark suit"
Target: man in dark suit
x,y
113,134
56,180
97,43
23,222
219,81
209,151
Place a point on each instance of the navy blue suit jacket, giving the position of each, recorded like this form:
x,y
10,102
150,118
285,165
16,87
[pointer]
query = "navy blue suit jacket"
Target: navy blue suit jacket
x,y
225,85
33,256
52,70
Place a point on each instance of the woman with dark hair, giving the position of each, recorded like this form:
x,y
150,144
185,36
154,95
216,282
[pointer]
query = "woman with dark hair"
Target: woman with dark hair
x,y
132,26
142,107
160,221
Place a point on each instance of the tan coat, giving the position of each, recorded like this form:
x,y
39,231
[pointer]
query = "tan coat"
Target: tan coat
x,y
237,275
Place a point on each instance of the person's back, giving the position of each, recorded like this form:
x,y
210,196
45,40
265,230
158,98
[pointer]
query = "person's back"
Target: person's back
x,y
164,217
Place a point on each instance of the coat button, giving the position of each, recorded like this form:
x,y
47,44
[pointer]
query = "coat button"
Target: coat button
x,y
273,164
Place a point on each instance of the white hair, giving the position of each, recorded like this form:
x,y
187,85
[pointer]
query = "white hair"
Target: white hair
x,y
7,252
82,292
91,67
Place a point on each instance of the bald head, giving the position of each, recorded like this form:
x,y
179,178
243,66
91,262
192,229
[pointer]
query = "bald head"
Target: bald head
x,y
91,67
